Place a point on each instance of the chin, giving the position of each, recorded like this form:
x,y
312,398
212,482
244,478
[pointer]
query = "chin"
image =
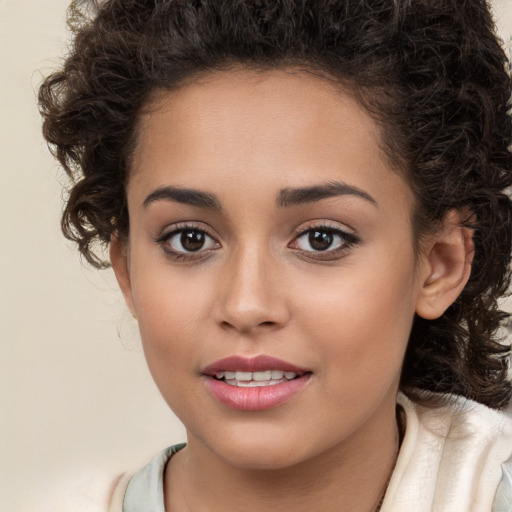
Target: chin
x,y
260,452
262,460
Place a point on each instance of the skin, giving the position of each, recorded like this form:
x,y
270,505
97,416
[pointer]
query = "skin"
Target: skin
x,y
258,287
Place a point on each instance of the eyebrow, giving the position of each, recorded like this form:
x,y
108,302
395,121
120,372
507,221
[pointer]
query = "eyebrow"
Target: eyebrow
x,y
287,198
296,196
188,196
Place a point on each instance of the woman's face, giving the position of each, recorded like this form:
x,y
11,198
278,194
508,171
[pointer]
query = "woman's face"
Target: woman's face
x,y
265,223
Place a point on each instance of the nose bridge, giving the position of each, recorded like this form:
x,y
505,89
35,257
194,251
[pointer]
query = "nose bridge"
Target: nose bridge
x,y
250,295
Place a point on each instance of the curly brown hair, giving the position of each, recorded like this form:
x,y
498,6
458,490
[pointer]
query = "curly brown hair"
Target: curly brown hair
x,y
431,72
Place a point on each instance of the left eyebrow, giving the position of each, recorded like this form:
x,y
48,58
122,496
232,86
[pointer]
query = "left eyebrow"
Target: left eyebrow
x,y
296,196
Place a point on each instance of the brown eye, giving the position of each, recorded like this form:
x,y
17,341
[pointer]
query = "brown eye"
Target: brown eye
x,y
192,240
187,241
324,242
320,240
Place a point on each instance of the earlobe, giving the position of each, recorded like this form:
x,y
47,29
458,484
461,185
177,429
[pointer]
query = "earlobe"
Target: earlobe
x,y
119,258
447,268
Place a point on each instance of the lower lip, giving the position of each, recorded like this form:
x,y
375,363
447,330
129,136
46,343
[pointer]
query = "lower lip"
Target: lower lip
x,y
258,398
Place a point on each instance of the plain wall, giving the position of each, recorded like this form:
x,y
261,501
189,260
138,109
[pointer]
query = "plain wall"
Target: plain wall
x,y
76,399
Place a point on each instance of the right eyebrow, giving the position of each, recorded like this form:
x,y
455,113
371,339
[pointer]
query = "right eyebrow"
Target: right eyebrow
x,y
188,196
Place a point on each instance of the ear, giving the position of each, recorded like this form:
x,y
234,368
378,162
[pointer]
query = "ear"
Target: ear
x,y
119,257
447,257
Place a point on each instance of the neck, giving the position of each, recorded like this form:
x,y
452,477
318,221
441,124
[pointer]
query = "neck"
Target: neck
x,y
351,476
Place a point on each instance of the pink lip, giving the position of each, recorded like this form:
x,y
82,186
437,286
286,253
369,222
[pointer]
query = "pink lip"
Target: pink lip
x,y
251,364
257,398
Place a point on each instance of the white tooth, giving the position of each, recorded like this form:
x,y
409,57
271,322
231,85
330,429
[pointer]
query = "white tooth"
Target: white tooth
x,y
220,375
243,376
290,375
277,374
247,383
229,375
254,383
262,375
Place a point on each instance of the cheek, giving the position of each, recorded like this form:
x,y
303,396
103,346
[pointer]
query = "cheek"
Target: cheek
x,y
170,314
362,316
169,318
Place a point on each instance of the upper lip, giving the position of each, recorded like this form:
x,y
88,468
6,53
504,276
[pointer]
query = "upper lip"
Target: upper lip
x,y
252,364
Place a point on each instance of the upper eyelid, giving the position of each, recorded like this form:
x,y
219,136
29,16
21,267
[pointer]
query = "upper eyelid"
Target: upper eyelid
x,y
349,237
176,228
326,226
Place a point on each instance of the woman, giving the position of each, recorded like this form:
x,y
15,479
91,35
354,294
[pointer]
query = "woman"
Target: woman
x,y
305,209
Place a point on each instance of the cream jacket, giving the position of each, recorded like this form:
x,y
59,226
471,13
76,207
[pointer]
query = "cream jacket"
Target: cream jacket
x,y
456,458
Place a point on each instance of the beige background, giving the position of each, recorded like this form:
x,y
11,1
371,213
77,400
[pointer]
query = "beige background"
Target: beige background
x,y
76,400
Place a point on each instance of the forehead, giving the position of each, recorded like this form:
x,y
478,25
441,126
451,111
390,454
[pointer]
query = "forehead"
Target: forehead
x,y
241,128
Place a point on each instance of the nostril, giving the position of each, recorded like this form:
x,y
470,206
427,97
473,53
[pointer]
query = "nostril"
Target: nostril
x,y
228,325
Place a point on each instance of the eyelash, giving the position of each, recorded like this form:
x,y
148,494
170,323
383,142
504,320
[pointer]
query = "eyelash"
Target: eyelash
x,y
165,237
348,240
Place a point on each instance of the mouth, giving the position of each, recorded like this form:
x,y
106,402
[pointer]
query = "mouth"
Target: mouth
x,y
254,384
255,379
260,366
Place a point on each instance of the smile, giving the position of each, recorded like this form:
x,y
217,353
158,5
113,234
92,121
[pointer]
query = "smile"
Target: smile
x,y
254,384
255,379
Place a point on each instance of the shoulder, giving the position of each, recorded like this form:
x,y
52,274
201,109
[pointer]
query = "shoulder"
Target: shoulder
x,y
92,490
503,500
452,457
458,420
142,490
117,491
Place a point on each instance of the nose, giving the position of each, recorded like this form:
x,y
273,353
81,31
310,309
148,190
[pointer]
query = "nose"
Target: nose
x,y
252,293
